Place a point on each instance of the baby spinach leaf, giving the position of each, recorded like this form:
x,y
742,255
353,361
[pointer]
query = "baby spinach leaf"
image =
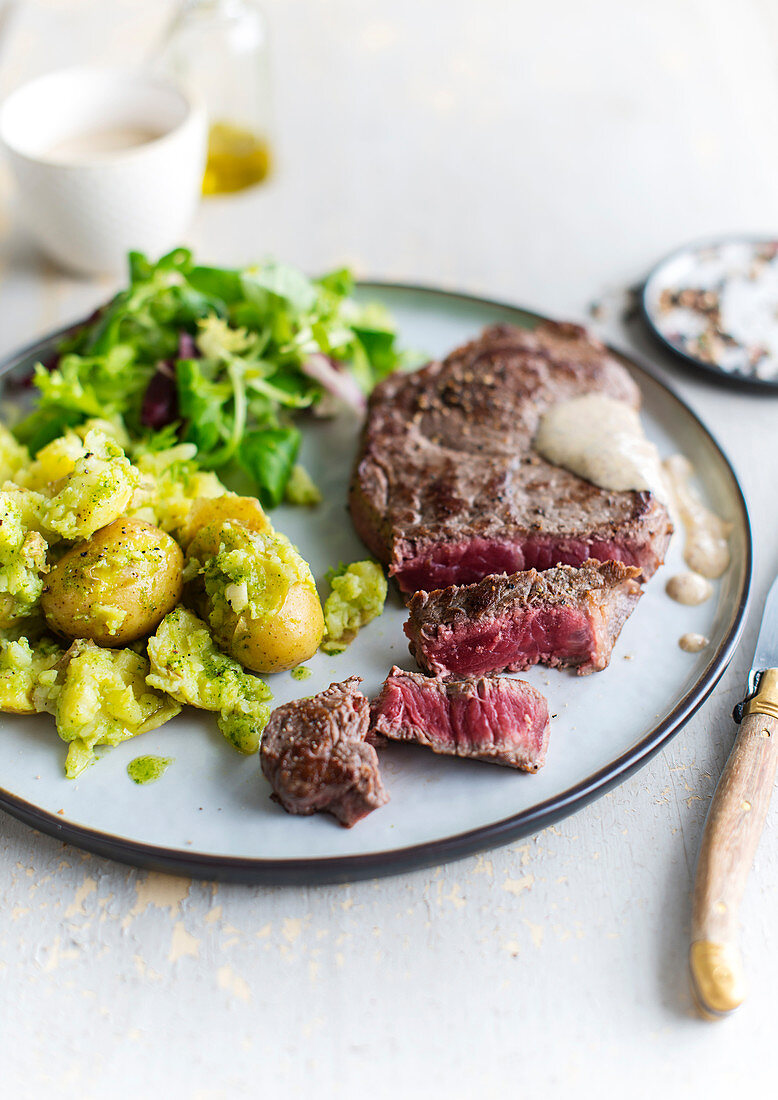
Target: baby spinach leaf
x,y
268,456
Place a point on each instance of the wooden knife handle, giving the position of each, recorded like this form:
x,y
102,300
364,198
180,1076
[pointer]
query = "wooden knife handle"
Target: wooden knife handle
x,y
732,831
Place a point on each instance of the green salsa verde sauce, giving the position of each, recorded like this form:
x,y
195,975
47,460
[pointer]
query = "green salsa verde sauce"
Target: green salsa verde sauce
x,y
148,769
300,673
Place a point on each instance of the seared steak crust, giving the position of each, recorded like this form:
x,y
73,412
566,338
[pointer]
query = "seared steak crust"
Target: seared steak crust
x,y
567,615
313,754
447,488
495,719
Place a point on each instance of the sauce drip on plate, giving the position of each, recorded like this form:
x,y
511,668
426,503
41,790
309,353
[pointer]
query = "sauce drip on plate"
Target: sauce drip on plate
x,y
689,588
602,440
148,769
706,550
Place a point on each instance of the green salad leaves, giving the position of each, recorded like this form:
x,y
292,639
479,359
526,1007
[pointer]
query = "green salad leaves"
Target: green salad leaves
x,y
223,358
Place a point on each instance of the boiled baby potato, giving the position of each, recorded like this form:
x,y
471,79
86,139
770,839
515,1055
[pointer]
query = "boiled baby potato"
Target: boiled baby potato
x,y
257,594
116,586
279,641
212,512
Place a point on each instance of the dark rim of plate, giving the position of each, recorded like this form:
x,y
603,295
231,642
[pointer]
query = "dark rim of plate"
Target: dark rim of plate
x,y
736,380
373,864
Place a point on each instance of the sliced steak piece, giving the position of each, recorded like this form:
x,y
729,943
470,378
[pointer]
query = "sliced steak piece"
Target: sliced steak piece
x,y
495,719
447,488
313,754
563,616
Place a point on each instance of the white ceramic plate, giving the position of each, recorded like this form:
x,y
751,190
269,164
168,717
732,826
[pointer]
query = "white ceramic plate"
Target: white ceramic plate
x,y
211,814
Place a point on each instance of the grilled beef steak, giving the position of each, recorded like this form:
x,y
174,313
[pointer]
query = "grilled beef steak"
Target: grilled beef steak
x,y
447,488
314,755
495,719
563,616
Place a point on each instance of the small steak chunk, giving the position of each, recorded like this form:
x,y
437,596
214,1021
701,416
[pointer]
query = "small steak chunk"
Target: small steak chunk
x,y
313,754
448,488
563,616
497,719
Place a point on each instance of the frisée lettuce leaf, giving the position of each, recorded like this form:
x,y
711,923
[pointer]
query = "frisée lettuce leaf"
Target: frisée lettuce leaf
x,y
224,358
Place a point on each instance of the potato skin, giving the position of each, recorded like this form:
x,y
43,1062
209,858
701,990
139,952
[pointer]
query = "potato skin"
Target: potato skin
x,y
256,593
212,513
116,586
278,642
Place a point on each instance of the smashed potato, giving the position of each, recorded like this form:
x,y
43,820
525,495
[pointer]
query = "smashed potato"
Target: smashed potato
x,y
13,456
171,482
96,491
99,697
53,462
58,458
186,664
92,549
113,429
20,666
358,595
33,508
22,560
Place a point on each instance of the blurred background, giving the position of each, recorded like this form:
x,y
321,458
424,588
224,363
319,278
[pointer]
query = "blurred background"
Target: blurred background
x,y
542,153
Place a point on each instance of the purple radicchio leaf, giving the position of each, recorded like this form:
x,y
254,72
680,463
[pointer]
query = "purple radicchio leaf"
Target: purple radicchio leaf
x,y
335,379
187,348
160,401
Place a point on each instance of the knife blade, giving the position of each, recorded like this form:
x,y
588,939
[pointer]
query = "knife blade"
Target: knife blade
x,y
733,827
766,652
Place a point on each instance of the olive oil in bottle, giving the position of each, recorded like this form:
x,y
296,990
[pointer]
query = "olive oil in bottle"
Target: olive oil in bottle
x,y
219,48
237,158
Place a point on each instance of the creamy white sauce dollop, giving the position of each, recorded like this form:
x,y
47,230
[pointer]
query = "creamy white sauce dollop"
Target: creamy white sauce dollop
x,y
693,643
601,439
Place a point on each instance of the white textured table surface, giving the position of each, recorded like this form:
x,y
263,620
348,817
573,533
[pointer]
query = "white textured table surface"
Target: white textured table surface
x,y
545,154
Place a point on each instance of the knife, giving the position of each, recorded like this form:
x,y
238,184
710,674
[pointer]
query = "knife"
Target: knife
x,y
732,830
